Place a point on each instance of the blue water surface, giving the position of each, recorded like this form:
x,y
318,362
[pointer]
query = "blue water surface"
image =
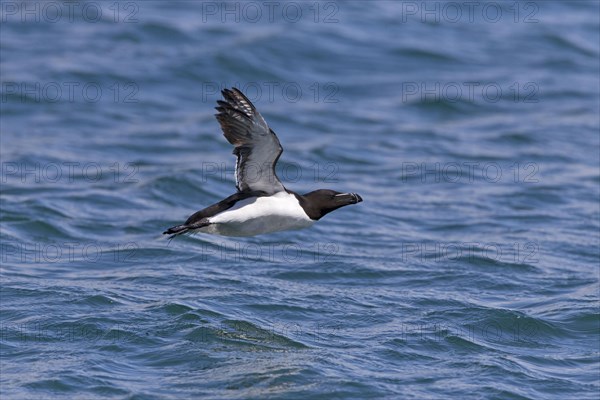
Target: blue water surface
x,y
471,269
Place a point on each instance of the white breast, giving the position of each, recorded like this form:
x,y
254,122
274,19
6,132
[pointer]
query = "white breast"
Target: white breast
x,y
258,215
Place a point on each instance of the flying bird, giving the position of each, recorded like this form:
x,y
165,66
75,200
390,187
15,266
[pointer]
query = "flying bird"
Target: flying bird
x,y
261,204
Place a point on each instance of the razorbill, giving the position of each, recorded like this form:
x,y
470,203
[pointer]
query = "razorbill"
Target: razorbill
x,y
261,204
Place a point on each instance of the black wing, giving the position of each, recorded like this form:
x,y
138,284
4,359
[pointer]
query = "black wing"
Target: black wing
x,y
256,146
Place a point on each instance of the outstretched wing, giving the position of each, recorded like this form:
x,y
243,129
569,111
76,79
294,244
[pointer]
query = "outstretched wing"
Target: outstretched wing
x,y
256,146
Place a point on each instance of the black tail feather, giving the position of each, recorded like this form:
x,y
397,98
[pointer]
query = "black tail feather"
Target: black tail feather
x,y
176,230
185,228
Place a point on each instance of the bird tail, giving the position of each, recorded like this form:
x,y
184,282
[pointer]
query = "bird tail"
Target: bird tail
x,y
177,230
184,228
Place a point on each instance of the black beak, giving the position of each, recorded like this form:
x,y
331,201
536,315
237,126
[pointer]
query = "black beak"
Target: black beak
x,y
348,198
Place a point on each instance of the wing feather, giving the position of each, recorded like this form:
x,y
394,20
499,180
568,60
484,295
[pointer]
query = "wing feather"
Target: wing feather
x,y
256,146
